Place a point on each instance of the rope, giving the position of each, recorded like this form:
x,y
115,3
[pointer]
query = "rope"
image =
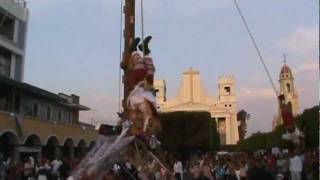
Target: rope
x,y
255,45
120,54
142,26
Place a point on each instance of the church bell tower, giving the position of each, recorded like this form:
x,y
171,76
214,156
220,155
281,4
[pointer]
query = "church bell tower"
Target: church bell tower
x,y
288,89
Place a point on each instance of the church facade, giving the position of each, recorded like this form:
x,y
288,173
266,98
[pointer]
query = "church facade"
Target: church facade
x,y
193,97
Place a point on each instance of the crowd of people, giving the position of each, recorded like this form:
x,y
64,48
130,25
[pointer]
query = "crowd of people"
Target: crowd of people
x,y
230,166
207,166
243,166
32,169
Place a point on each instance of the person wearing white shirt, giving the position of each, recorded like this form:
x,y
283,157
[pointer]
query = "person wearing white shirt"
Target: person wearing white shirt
x,y
295,167
178,170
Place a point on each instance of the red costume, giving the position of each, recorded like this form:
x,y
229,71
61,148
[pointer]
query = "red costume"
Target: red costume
x,y
143,68
150,70
287,116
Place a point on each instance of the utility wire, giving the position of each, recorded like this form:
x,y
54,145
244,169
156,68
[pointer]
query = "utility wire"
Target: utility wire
x,y
255,45
120,54
142,27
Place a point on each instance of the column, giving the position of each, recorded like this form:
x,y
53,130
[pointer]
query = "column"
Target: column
x,y
228,127
71,152
15,154
56,152
235,132
39,154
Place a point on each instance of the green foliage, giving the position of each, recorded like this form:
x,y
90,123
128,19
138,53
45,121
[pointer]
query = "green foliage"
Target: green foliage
x,y
308,122
188,130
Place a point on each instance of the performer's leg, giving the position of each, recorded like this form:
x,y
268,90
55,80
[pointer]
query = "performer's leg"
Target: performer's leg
x,y
150,69
145,47
134,44
138,68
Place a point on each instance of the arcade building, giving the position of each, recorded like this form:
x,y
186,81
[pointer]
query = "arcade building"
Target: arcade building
x,y
34,121
40,123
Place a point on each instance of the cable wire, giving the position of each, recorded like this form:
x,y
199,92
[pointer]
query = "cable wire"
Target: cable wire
x,y
255,45
120,55
142,27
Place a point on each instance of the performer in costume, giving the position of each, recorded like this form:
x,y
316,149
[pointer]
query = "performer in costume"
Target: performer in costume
x,y
136,64
141,100
293,133
286,113
150,69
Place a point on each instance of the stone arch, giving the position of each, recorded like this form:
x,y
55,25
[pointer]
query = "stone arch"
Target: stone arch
x,y
52,139
82,143
68,142
8,140
33,140
31,148
51,148
81,149
12,135
288,87
68,148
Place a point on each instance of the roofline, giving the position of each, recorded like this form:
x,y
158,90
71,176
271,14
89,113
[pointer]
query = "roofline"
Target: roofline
x,y
30,88
41,92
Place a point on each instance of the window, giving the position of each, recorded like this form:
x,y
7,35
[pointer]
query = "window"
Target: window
x,y
7,26
69,118
35,109
227,90
288,87
3,103
59,115
5,62
48,113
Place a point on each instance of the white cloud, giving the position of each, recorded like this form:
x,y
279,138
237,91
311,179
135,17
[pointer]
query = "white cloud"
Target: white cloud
x,y
261,104
301,40
103,109
307,67
261,93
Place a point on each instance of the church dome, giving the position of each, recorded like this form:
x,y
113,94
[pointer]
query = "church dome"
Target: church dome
x,y
286,72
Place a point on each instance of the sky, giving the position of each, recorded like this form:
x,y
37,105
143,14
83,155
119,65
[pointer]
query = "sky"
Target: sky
x,y
73,46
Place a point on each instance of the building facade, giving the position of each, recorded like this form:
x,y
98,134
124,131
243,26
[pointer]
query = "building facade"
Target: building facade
x,y
13,32
193,97
37,122
289,90
34,121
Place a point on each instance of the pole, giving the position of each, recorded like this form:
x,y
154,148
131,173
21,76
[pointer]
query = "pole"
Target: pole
x,y
129,33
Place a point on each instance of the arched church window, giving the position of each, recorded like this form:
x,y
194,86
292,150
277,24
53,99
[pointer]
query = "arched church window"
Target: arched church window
x,y
288,87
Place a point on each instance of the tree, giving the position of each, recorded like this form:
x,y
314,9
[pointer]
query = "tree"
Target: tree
x,y
188,130
308,122
242,116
